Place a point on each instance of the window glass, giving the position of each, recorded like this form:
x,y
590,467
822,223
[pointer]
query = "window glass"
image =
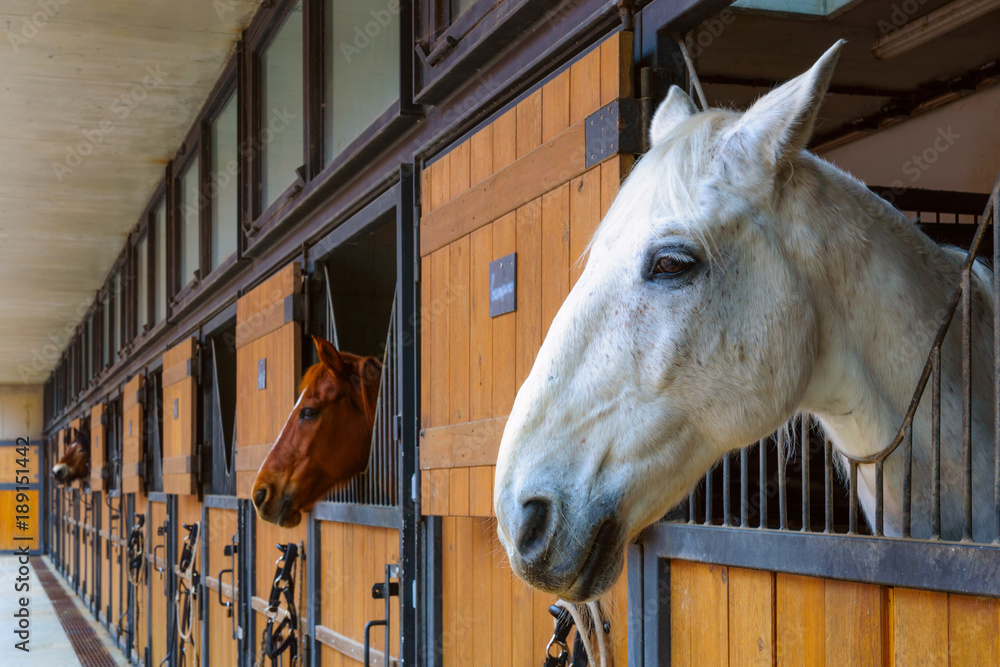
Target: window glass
x,y
160,224
281,128
224,191
108,334
89,350
119,314
189,224
362,65
142,284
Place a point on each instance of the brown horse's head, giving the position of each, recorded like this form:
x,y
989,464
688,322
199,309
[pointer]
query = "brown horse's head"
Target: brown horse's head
x,y
327,438
75,461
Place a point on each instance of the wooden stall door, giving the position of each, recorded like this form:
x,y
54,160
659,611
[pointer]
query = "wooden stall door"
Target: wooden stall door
x,y
132,435
353,558
189,512
98,448
157,588
220,644
520,185
733,616
21,462
268,369
179,418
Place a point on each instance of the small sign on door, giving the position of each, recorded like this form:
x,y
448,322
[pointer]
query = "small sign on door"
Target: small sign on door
x,y
262,374
503,285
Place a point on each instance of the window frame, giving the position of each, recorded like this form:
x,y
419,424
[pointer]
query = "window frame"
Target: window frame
x,y
317,178
227,86
190,150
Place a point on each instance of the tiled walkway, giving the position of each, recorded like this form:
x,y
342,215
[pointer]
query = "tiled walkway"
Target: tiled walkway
x,y
50,645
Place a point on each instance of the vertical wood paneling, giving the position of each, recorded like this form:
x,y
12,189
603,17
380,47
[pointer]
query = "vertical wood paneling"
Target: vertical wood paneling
x,y
529,289
585,86
973,630
521,626
449,590
481,158
426,186
466,603
699,614
481,491
440,359
502,578
529,123
800,610
555,106
616,70
751,617
919,627
426,360
584,216
458,491
482,593
458,332
459,169
504,139
854,623
440,181
222,525
481,328
555,253
504,326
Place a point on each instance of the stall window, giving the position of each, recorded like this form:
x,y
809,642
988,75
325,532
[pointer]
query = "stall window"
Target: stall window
x,y
142,284
361,83
219,406
281,112
223,186
119,314
153,432
458,7
188,225
160,262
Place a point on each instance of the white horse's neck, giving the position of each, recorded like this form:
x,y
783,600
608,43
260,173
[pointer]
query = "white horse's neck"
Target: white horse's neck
x,y
880,292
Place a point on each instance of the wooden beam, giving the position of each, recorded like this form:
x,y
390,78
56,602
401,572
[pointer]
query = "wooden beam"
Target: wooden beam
x,y
461,445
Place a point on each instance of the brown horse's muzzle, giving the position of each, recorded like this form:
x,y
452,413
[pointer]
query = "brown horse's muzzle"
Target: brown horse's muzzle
x,y
275,506
60,472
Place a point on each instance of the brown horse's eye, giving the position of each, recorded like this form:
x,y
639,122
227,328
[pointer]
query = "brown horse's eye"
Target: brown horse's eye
x,y
305,414
671,266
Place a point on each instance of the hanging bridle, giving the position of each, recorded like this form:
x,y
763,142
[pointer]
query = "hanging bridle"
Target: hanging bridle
x,y
135,550
285,635
590,625
187,594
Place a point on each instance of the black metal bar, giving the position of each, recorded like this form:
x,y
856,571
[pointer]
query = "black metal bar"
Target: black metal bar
x,y
879,497
967,401
907,479
726,513
708,496
966,568
806,507
828,484
762,481
782,481
936,437
853,481
996,369
744,488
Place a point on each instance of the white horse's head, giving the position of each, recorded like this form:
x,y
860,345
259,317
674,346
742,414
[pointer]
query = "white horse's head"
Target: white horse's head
x,y
690,333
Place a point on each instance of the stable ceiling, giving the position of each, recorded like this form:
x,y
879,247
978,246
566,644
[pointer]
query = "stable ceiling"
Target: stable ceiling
x,y
119,80
764,48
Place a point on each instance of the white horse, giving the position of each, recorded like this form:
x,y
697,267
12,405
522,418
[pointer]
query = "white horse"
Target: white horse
x,y
736,281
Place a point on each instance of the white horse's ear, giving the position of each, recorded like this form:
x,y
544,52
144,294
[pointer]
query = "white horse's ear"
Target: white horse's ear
x,y
780,124
676,108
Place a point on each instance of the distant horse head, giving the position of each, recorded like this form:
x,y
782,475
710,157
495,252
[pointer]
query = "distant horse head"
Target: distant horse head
x,y
327,438
75,461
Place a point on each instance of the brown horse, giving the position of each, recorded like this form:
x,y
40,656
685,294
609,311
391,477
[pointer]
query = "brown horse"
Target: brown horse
x,y
75,461
327,438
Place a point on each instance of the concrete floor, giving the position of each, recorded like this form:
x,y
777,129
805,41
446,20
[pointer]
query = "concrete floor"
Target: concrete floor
x,y
49,644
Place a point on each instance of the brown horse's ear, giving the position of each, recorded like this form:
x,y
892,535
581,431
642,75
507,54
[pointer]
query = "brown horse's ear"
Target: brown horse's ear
x,y
329,356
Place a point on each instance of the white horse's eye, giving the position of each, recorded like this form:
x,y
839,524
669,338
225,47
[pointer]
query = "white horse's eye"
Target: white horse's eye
x,y
671,266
